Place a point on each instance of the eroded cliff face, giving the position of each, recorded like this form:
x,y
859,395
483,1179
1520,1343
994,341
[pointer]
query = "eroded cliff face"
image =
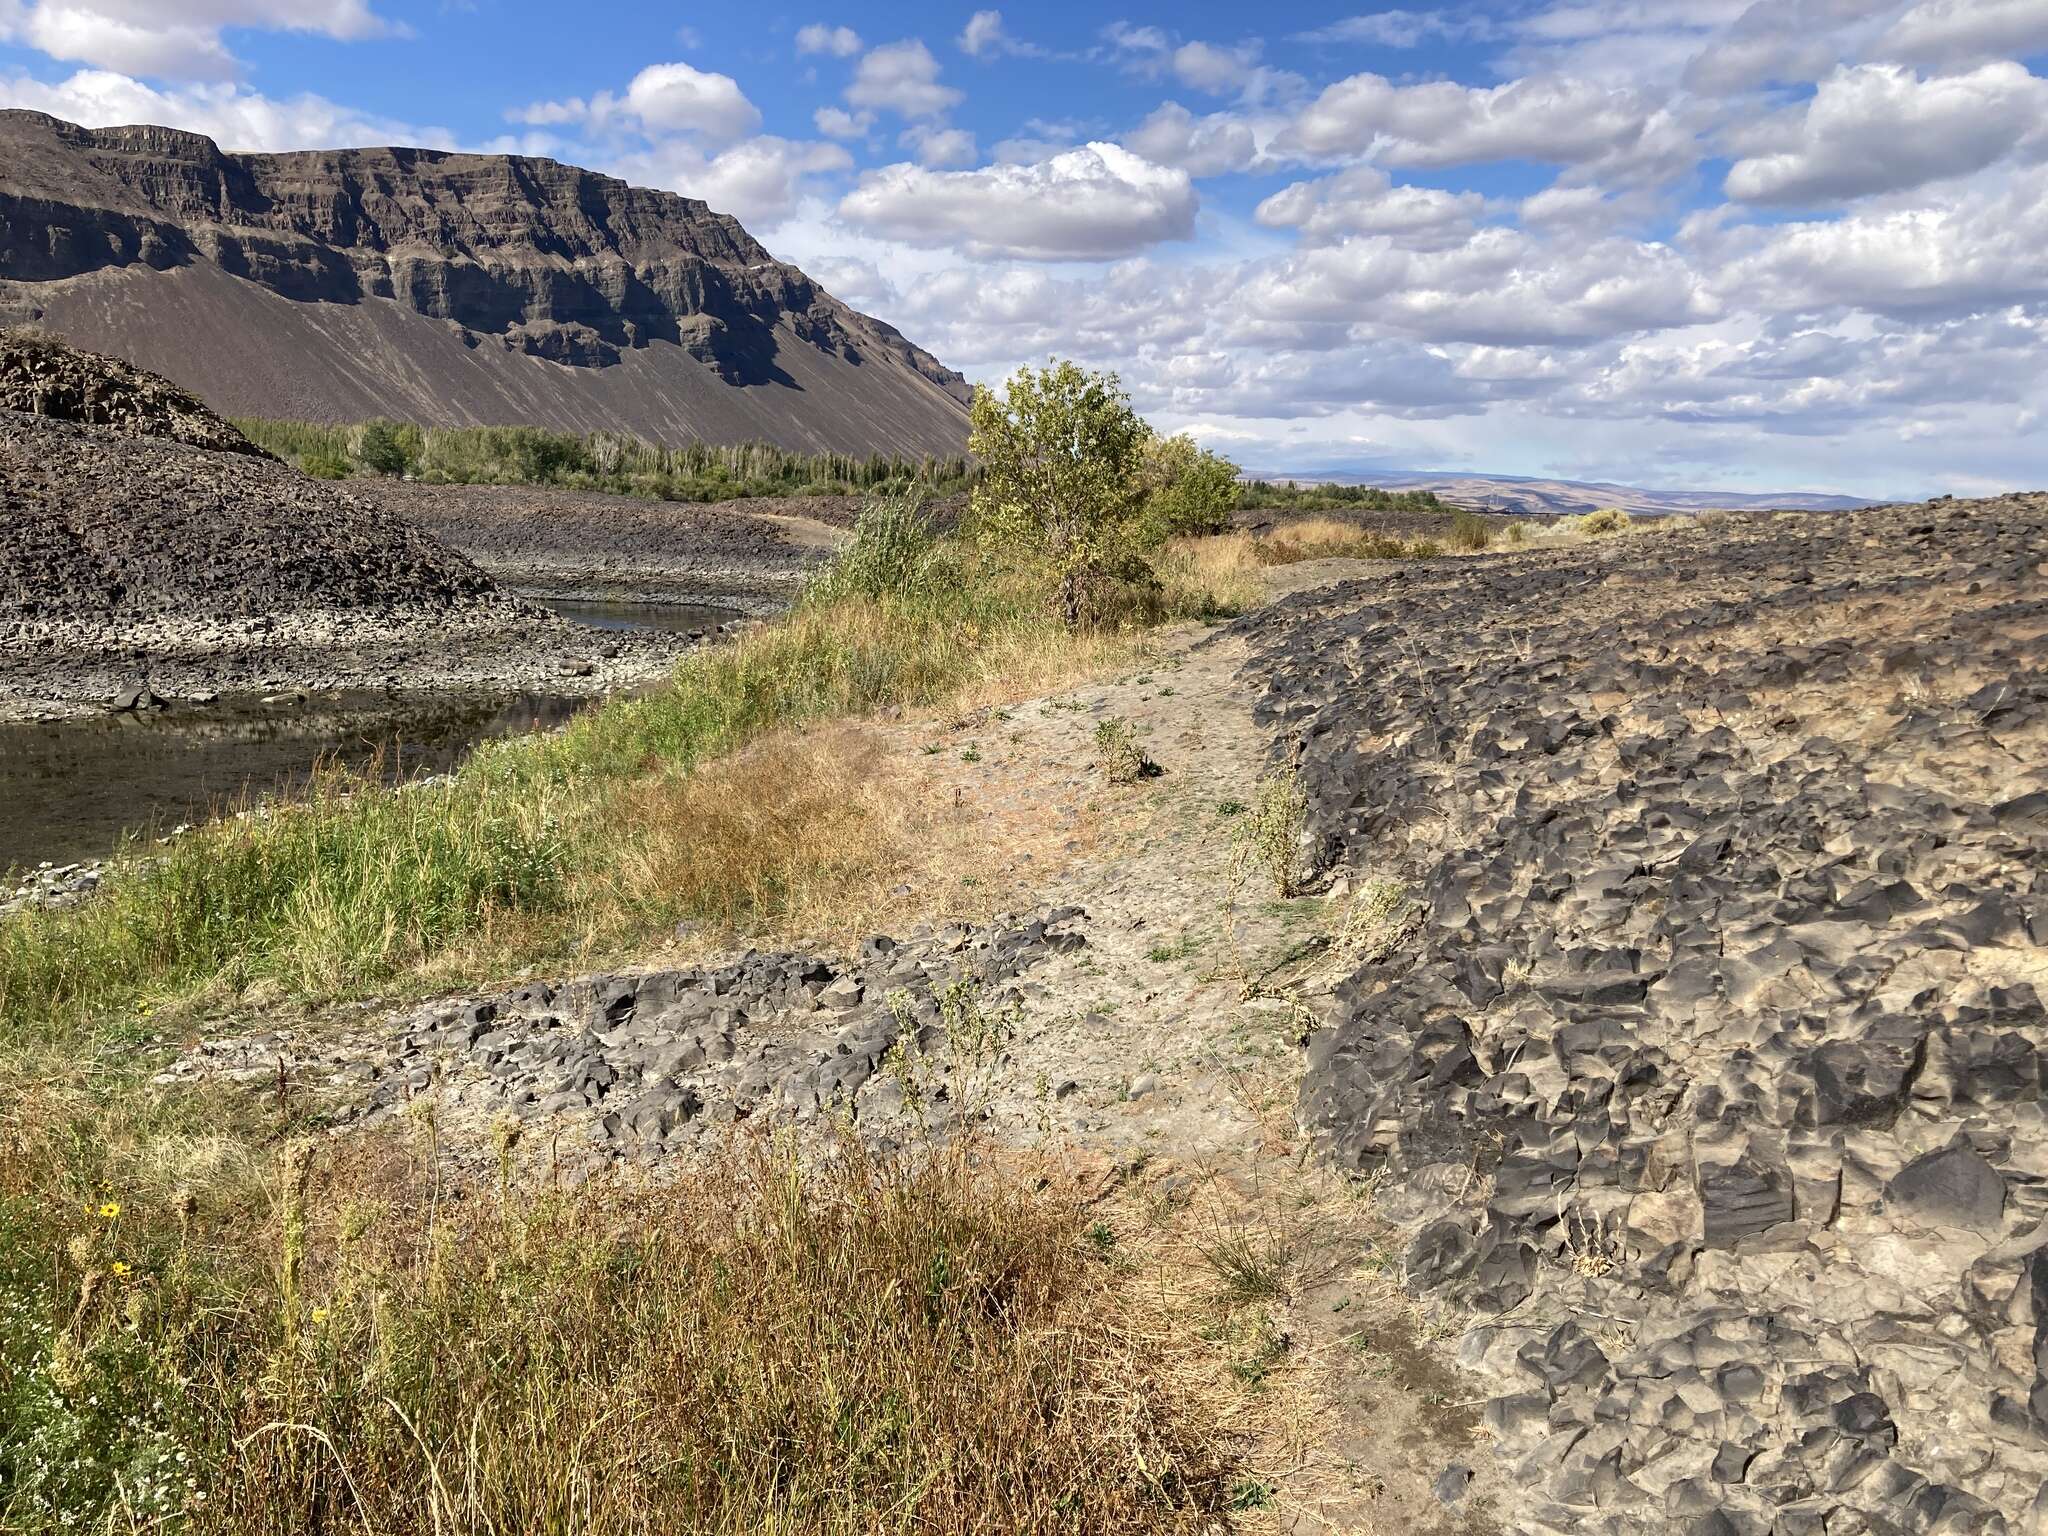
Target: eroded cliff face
x,y
527,256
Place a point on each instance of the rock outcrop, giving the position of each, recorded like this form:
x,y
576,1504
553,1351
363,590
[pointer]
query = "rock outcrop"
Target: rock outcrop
x,y
1701,1046
43,377
444,288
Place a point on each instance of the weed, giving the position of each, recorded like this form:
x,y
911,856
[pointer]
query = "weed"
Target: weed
x,y
1268,837
1117,751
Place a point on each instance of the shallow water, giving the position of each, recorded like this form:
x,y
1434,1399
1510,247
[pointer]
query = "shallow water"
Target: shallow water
x,y
679,618
70,789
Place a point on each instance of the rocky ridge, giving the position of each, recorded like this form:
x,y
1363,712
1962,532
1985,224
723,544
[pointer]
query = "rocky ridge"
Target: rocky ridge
x,y
444,288
636,1067
42,377
142,552
1702,1053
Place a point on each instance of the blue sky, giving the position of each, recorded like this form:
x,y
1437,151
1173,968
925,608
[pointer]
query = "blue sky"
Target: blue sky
x,y
1760,244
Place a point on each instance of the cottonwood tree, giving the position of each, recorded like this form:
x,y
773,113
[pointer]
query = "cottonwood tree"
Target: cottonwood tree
x,y
1061,456
1187,489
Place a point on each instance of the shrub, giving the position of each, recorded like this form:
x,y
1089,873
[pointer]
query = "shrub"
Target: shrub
x,y
1606,520
1116,749
1062,454
323,464
1188,490
1470,532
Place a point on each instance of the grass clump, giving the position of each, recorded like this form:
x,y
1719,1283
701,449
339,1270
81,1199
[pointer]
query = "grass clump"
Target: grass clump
x,y
1595,525
229,1341
1470,532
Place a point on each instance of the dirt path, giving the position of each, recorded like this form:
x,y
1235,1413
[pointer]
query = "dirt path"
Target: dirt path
x,y
1159,1060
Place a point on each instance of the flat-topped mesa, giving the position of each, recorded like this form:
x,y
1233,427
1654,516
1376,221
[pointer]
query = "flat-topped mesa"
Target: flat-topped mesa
x,y
156,244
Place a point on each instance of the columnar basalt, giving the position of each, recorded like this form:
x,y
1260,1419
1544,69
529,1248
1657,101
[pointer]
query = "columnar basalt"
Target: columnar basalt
x,y
1709,1079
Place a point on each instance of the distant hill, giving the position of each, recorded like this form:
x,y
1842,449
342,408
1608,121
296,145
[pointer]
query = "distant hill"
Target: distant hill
x,y
1525,496
444,289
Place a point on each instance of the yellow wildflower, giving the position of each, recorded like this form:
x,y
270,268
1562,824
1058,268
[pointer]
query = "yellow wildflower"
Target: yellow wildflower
x,y
109,1209
319,1314
118,1268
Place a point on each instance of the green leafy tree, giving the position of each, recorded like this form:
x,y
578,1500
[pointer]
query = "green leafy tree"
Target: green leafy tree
x,y
1062,456
381,448
1187,489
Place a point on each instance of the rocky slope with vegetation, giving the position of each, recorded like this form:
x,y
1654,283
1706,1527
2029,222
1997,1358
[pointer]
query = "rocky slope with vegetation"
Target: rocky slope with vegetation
x,y
342,285
1540,1037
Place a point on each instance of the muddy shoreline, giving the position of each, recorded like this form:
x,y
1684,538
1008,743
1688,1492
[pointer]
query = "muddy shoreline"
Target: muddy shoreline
x,y
538,545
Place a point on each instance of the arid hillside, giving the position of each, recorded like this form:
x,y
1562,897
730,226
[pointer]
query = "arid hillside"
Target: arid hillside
x,y
444,289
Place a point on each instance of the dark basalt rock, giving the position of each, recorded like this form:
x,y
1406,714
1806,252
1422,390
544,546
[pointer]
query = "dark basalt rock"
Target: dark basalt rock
x,y
1711,1078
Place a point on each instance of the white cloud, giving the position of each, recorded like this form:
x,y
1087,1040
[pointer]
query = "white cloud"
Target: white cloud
x,y
761,181
838,123
1441,123
1500,288
1392,29
985,37
1952,32
1363,201
1089,204
676,98
1219,71
236,118
1201,146
902,78
1880,128
840,42
175,39
1979,248
939,147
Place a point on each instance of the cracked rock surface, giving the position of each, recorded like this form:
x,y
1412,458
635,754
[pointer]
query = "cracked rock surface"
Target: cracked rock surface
x,y
633,1067
1709,1077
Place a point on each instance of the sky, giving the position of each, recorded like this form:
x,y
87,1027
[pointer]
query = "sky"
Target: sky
x,y
1781,245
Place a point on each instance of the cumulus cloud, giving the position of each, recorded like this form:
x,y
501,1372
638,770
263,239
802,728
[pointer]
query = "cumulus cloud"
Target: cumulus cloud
x,y
1440,123
175,39
761,181
838,123
1880,128
677,98
1954,32
1201,146
1088,204
1977,249
235,118
902,78
1364,201
939,147
1499,288
840,42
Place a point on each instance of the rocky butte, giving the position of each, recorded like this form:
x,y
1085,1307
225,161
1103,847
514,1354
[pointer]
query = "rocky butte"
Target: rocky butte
x,y
450,289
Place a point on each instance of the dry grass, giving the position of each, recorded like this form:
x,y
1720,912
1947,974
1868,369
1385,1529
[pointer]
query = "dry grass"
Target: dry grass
x,y
332,1340
1329,538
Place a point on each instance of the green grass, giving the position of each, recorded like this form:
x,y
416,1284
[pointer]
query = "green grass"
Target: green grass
x,y
592,840
604,461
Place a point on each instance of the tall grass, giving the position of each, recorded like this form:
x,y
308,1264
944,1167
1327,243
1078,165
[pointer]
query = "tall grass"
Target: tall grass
x,y
607,461
543,845
201,1335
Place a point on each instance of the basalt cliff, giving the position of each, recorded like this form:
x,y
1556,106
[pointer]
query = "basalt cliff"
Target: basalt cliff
x,y
444,288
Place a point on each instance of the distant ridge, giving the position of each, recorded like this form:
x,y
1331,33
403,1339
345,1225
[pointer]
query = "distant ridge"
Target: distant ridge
x,y
444,289
1530,496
